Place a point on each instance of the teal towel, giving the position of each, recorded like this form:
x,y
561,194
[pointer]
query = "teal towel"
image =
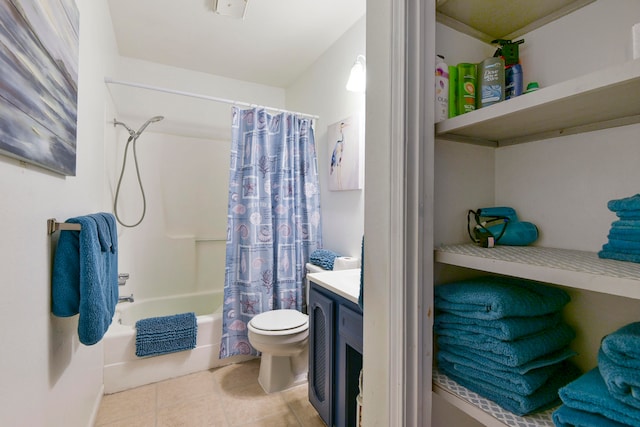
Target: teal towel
x,y
589,393
619,256
545,397
632,215
524,384
498,297
622,382
166,334
323,258
631,203
512,353
620,245
565,416
85,275
506,329
480,359
623,346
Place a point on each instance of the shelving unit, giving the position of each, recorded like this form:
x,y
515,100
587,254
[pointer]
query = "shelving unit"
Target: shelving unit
x,y
599,100
576,269
602,99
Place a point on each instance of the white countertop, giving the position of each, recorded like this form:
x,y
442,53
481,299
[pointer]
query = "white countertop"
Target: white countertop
x,y
345,283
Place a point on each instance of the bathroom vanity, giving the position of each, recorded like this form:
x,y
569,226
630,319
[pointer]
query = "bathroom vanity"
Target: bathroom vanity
x,y
335,345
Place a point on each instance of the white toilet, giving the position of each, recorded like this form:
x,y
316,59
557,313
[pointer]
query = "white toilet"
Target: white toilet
x,y
282,336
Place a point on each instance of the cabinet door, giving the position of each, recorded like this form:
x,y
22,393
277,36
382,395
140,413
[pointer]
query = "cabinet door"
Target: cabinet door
x,y
321,311
348,365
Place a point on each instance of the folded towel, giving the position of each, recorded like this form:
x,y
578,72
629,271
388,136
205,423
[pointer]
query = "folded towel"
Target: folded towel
x,y
623,346
622,382
623,245
565,416
545,397
506,329
166,334
524,384
498,297
631,203
631,215
478,357
323,258
589,393
511,353
85,275
619,256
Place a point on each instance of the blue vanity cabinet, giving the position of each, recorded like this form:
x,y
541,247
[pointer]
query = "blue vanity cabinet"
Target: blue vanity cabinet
x,y
335,356
321,354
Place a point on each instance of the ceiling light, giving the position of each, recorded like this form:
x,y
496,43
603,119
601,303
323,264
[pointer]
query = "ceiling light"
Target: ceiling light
x,y
358,77
232,8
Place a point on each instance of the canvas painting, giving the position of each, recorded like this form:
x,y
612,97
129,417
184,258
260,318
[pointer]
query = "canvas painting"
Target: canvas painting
x,y
39,48
345,154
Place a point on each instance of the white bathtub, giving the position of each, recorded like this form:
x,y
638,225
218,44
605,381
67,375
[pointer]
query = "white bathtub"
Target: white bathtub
x,y
124,370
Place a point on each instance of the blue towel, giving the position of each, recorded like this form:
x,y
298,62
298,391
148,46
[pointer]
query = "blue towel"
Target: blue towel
x,y
623,346
565,416
524,384
633,215
498,297
625,246
506,329
545,397
85,275
619,256
589,393
479,358
622,382
323,258
631,203
166,334
511,353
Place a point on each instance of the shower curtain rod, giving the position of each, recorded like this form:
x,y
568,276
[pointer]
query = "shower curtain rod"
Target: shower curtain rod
x,y
200,96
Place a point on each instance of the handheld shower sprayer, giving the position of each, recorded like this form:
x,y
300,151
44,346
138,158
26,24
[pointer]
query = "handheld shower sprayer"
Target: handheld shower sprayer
x,y
133,136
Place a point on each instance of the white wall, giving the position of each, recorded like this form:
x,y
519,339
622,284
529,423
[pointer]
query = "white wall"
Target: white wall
x,y
48,377
321,91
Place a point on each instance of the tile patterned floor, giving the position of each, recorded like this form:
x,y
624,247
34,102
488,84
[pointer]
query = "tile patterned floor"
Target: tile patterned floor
x,y
226,397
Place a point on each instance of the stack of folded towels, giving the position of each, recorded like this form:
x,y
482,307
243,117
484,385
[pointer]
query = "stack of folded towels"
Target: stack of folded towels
x,y
624,235
505,340
609,394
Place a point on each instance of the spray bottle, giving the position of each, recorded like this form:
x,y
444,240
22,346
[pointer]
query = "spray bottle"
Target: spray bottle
x,y
442,90
512,69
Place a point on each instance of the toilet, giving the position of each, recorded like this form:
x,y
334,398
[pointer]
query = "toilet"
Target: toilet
x,y
282,336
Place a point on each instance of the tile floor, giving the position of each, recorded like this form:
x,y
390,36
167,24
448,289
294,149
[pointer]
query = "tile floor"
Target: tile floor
x,y
227,397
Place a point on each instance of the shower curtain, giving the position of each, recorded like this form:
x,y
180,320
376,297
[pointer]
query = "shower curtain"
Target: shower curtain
x,y
273,222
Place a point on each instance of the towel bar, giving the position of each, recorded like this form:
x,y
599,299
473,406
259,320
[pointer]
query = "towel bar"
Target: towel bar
x,y
53,226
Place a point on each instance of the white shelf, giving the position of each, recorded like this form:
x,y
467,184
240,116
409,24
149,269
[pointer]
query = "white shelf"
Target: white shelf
x,y
599,100
484,410
576,269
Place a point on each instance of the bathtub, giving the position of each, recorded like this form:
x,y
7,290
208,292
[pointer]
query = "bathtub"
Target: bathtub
x,y
124,370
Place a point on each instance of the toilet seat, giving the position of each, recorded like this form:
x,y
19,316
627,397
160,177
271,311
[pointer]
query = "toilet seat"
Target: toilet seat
x,y
276,322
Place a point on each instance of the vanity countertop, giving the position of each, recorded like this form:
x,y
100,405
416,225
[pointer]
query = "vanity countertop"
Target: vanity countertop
x,y
345,283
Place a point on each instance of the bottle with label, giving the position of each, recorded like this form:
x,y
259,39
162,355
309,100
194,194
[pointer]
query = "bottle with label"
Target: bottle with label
x,y
509,51
490,81
442,90
453,95
466,87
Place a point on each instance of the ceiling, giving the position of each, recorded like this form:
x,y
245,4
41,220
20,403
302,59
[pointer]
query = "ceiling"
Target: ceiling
x,y
274,44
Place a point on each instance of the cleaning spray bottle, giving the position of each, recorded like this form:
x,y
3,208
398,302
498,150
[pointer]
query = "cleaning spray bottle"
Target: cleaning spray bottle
x,y
509,51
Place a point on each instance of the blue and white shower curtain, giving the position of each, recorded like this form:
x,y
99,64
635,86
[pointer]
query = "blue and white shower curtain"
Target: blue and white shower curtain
x,y
273,222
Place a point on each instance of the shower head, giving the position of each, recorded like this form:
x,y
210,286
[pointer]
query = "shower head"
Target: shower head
x,y
147,123
133,134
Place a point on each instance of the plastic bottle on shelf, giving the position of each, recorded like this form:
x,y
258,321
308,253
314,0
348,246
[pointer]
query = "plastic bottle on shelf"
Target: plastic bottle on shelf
x,y
442,90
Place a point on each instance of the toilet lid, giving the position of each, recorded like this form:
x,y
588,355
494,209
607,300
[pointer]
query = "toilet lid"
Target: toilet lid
x,y
279,320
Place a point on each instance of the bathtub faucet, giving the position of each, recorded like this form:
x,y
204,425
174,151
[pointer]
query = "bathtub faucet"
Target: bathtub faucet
x,y
122,278
126,299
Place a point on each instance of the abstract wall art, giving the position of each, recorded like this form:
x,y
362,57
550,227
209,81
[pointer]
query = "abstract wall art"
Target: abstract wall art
x,y
39,48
